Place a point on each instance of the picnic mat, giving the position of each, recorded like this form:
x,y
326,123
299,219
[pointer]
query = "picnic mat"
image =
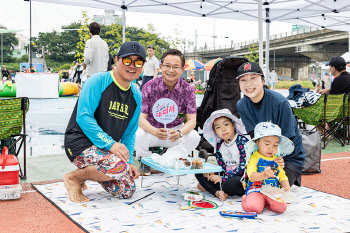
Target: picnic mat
x,y
313,211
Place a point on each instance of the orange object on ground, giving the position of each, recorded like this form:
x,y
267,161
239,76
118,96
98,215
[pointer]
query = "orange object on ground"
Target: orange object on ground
x,y
69,88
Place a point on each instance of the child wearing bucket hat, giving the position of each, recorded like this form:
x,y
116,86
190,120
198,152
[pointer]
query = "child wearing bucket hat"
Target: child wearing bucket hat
x,y
268,143
225,132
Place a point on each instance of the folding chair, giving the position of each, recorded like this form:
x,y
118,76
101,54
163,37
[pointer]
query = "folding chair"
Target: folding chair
x,y
12,120
328,110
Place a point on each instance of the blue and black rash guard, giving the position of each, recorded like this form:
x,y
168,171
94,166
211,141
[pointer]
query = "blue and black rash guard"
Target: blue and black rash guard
x,y
105,113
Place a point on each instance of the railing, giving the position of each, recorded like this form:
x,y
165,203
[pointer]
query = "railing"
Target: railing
x,y
320,48
242,45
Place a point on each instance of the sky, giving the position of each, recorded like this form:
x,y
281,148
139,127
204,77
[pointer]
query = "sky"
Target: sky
x,y
47,17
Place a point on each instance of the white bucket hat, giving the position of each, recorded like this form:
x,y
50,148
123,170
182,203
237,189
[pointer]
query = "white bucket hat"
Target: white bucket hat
x,y
265,129
208,131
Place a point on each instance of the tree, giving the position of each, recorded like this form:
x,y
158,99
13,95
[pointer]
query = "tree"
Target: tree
x,y
24,58
112,34
148,37
9,43
84,35
253,55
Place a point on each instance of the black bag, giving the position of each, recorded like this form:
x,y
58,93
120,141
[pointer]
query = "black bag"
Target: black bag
x,y
222,89
312,146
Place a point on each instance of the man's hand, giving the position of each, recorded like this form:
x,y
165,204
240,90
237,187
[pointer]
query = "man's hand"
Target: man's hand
x,y
133,172
162,134
280,161
174,135
323,91
121,151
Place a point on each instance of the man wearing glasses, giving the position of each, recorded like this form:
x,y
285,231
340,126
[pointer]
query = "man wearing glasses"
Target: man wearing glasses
x,y
151,67
100,135
178,137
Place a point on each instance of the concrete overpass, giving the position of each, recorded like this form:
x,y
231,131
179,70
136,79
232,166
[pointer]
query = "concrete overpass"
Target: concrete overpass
x,y
295,54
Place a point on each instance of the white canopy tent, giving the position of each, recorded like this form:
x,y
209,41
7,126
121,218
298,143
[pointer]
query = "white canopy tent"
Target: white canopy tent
x,y
330,14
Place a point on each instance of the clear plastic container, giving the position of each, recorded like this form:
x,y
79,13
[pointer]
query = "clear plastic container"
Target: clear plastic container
x,y
9,192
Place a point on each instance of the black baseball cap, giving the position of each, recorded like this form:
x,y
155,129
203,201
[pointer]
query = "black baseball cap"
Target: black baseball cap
x,y
338,63
249,68
132,48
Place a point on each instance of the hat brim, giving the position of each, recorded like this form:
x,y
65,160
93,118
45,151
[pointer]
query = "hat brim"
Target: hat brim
x,y
249,73
209,133
285,147
129,54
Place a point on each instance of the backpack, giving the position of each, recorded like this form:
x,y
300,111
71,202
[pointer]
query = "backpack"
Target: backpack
x,y
222,89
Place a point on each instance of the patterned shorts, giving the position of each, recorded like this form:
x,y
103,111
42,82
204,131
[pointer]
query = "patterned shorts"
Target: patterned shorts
x,y
121,186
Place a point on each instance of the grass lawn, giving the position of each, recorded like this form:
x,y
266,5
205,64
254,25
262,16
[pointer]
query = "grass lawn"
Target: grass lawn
x,y
288,84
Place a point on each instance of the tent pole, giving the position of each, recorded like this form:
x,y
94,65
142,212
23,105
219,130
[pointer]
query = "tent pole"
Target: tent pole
x,y
30,35
260,23
2,50
267,53
123,23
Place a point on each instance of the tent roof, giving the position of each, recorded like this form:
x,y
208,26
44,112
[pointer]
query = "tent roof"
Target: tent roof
x,y
331,14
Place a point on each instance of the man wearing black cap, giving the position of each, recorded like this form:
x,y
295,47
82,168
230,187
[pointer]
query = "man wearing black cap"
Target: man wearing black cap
x,y
341,83
100,135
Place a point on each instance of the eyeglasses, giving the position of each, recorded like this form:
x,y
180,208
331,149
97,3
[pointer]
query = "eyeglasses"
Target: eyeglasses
x,y
176,68
137,63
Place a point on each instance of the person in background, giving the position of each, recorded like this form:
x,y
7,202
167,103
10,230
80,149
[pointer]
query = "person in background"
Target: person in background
x,y
151,67
273,79
77,74
96,52
341,83
5,74
24,69
327,81
65,75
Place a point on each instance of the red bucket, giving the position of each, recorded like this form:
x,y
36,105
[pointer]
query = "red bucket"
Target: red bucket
x,y
9,168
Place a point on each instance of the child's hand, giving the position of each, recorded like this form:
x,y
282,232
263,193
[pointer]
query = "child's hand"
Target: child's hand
x,y
215,179
268,172
287,188
207,175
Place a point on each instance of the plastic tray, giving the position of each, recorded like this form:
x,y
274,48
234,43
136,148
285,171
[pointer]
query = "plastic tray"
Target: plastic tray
x,y
207,168
8,192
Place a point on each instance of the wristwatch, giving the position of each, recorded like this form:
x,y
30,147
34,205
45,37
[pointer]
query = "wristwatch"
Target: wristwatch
x,y
180,133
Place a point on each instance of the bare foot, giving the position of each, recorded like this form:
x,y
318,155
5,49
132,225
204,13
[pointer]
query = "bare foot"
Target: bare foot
x,y
200,187
74,190
83,186
222,195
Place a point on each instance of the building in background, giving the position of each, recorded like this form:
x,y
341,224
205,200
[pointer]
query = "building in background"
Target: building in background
x,y
108,18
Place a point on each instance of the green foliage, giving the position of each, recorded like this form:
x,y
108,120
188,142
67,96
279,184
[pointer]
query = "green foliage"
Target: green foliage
x,y
84,35
9,43
113,35
253,55
12,66
23,59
